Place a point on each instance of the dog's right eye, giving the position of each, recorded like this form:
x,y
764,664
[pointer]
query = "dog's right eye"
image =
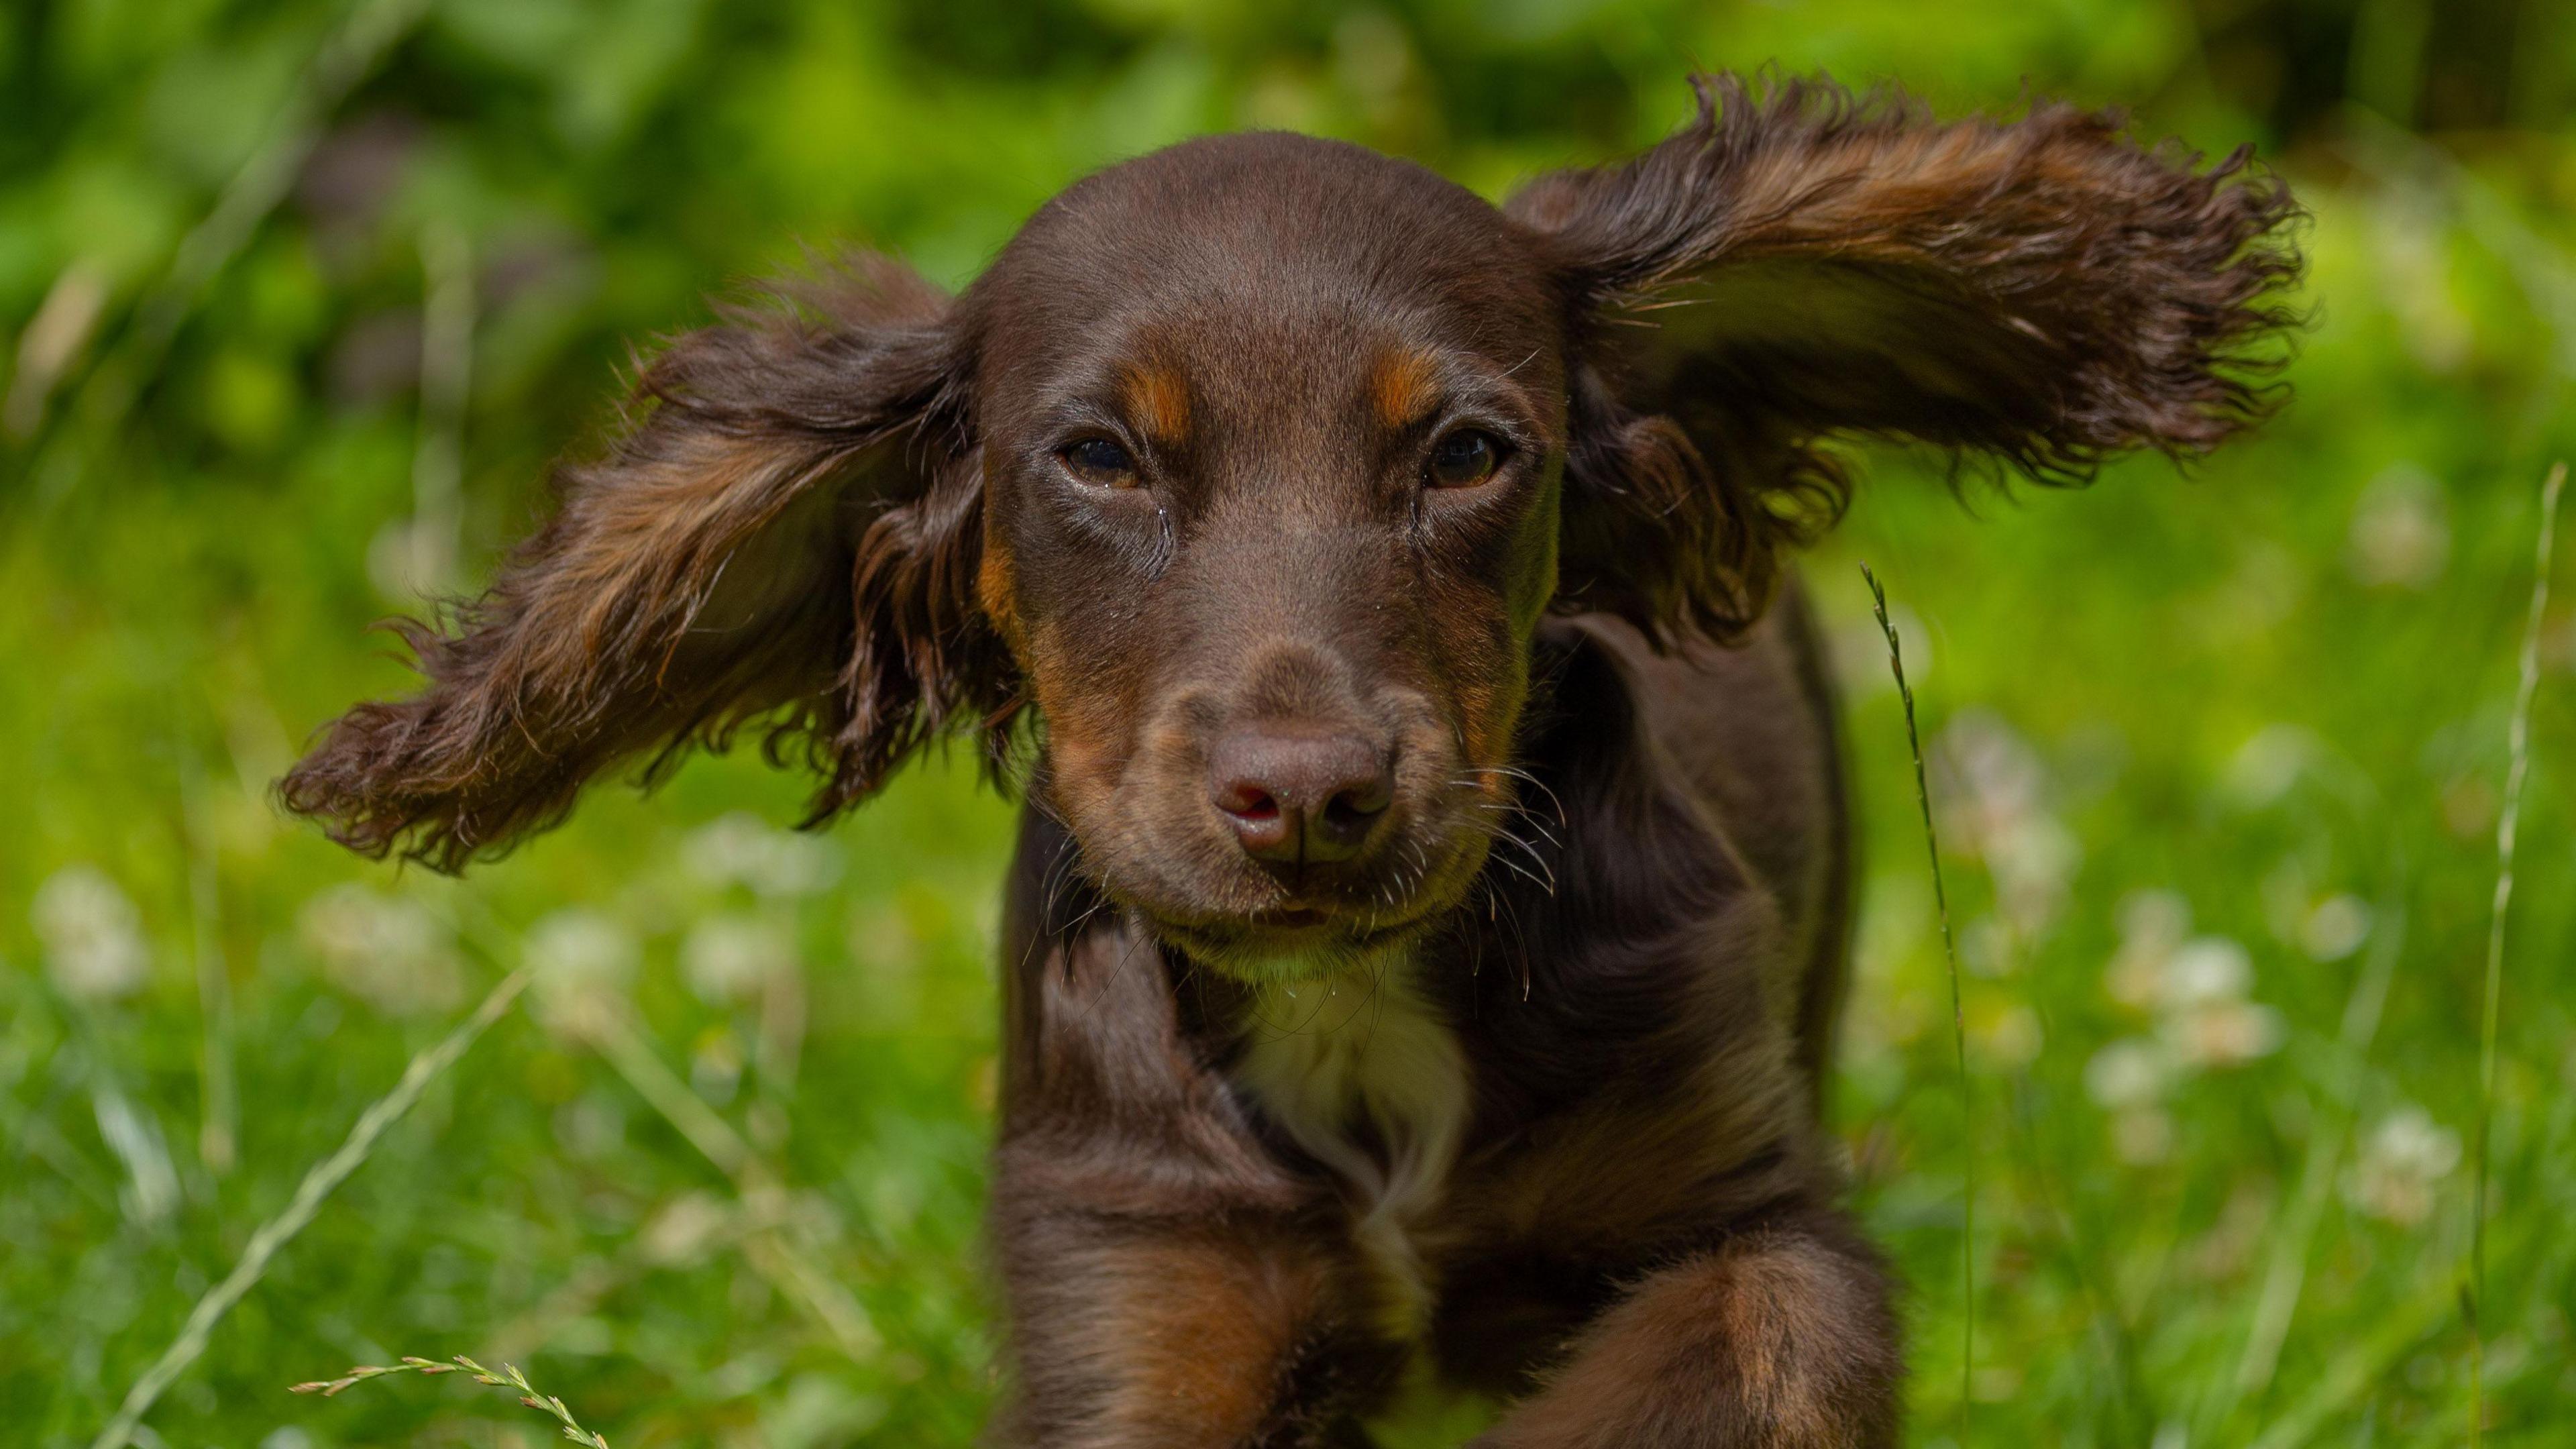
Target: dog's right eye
x,y
1465,458
1100,462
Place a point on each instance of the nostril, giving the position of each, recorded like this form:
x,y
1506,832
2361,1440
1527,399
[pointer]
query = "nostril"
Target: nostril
x,y
1348,818
1259,820
1298,798
1248,802
1353,809
1368,797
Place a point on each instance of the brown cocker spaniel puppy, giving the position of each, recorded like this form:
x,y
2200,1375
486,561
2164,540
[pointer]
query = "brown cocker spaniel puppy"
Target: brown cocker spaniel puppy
x,y
1429,914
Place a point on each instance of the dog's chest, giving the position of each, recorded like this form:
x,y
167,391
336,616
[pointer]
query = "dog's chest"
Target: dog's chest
x,y
1368,1079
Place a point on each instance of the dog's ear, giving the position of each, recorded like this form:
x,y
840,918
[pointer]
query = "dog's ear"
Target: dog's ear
x,y
784,530
1801,263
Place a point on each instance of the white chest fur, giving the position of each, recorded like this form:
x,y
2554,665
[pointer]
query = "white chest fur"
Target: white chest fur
x,y
1336,1054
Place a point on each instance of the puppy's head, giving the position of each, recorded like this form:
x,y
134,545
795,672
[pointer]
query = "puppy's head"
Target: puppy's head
x,y
1273,434
1254,464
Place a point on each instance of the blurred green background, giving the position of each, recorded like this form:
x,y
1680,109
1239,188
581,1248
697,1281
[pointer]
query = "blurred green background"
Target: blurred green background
x,y
298,299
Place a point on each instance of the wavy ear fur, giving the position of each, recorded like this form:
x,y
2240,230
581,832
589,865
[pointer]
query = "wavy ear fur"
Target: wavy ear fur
x,y
785,529
1797,263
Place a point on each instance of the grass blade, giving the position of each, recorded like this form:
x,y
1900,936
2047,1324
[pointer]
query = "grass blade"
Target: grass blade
x,y
317,1185
508,1378
347,56
1958,1017
2518,748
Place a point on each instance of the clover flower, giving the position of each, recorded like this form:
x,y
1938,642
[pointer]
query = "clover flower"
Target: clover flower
x,y
2195,989
742,849
92,935
2402,1163
389,951
583,962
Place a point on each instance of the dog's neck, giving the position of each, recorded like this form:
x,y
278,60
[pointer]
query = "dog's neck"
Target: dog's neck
x,y
1364,1073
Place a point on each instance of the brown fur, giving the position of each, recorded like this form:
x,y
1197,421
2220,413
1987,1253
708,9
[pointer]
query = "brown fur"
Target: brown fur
x,y
686,586
1604,876
1760,1329
1402,388
2042,291
1159,399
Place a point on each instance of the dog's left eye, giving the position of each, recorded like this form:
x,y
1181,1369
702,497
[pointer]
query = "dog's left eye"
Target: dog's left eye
x,y
1465,458
1099,461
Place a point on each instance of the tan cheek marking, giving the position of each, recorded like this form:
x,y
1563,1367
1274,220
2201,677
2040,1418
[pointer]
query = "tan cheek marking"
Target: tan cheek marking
x,y
996,588
1401,388
1081,742
1160,403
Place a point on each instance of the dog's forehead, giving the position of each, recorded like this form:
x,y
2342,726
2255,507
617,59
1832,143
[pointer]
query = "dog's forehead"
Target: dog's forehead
x,y
1263,240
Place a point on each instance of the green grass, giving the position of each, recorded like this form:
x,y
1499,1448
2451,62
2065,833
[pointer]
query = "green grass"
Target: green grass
x,y
1958,1006
2216,760
508,1378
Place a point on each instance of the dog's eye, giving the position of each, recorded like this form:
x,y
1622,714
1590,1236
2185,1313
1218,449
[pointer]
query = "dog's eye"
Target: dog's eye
x,y
1465,458
1101,462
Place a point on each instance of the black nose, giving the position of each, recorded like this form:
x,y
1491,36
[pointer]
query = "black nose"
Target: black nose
x,y
1301,797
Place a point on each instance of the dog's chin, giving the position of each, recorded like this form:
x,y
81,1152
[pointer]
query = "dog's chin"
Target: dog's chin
x,y
1291,938
1290,946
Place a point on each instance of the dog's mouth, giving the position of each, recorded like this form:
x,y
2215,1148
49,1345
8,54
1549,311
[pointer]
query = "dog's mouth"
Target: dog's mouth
x,y
1252,920
1290,942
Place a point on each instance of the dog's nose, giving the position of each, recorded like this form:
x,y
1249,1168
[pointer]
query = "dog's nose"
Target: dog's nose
x,y
1297,797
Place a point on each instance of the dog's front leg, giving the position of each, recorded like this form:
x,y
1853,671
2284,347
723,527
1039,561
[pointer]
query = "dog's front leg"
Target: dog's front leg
x,y
1201,1334
1781,1338
1167,1282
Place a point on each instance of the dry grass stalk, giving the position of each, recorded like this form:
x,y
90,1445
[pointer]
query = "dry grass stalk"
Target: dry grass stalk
x,y
605,1022
318,1184
347,56
508,1378
613,1033
2518,748
1958,1017
218,1100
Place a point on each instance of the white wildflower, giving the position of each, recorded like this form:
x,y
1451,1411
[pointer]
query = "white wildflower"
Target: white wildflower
x,y
1859,652
728,957
2402,1161
2128,1073
1988,947
741,849
2195,988
152,1185
2153,925
93,936
2207,971
685,1227
2265,767
2401,530
2336,928
2223,1033
583,961
390,951
2033,864
2000,777
2155,919
1996,803
579,945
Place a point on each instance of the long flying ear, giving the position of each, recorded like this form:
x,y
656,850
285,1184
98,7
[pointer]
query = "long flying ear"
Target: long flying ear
x,y
784,529
1792,265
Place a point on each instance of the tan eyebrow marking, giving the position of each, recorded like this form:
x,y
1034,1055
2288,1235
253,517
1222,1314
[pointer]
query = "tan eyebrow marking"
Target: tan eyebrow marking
x,y
1159,401
1402,387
